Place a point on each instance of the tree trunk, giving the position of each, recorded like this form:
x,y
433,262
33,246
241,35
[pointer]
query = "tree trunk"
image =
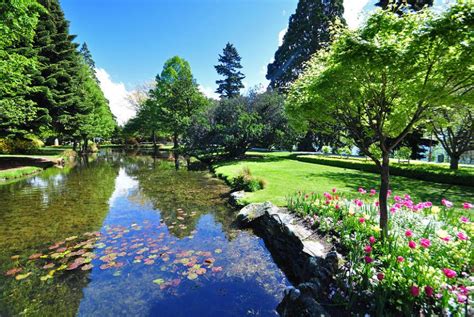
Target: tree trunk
x,y
454,162
384,186
85,146
154,144
74,145
175,151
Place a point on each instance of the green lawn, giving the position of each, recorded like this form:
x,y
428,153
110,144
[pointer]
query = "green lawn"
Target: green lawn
x,y
285,177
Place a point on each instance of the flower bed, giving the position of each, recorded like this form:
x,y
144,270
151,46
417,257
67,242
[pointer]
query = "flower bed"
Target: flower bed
x,y
425,265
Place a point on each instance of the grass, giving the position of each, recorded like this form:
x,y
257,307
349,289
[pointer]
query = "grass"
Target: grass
x,y
285,176
18,172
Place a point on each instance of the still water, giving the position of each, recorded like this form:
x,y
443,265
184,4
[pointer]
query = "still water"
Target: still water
x,y
123,235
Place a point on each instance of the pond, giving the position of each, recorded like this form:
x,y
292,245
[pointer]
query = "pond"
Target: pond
x,y
128,235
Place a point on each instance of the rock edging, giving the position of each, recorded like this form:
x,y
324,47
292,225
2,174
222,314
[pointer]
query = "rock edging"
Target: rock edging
x,y
309,262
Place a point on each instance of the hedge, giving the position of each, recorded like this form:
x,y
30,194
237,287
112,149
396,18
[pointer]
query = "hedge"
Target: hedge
x,y
424,172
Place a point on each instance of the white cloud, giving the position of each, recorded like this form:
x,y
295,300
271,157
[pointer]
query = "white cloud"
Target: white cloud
x,y
208,92
117,94
281,34
353,12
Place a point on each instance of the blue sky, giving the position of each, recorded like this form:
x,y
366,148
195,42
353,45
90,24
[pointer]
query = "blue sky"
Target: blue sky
x,y
131,39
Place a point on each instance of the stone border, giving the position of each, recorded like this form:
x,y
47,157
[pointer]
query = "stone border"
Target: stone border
x,y
309,262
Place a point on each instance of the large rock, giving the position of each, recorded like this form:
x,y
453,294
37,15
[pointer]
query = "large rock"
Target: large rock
x,y
253,211
236,196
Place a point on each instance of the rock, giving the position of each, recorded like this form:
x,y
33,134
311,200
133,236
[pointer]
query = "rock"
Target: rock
x,y
236,196
253,211
301,306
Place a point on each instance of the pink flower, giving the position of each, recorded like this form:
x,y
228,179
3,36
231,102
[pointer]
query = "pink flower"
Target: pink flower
x,y
389,193
447,238
380,276
327,195
377,203
327,202
427,204
464,219
412,244
372,240
467,205
362,191
361,220
415,290
407,197
337,207
461,298
334,190
400,258
397,198
429,291
373,192
446,203
393,209
449,273
408,233
462,236
425,243
368,249
368,259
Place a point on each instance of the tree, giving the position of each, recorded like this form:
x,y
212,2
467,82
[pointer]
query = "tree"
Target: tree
x,y
308,32
19,20
174,100
87,57
385,79
229,66
53,83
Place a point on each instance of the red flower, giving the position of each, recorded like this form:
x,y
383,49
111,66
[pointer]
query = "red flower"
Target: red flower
x,y
368,249
428,291
408,233
361,220
400,258
412,244
415,290
449,273
368,259
425,243
372,240
380,276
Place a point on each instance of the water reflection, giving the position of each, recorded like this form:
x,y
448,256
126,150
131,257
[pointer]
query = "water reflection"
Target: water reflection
x,y
164,245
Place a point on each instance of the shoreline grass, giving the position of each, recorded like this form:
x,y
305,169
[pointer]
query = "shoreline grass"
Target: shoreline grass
x,y
18,172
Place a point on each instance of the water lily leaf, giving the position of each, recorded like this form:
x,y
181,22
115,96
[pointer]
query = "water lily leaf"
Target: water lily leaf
x,y
209,261
22,276
148,261
216,269
218,251
61,249
117,273
100,245
201,271
14,257
48,266
87,267
159,281
46,277
180,218
71,238
62,267
73,266
35,256
13,271
192,276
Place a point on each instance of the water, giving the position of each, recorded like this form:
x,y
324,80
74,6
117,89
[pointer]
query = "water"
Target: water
x,y
124,235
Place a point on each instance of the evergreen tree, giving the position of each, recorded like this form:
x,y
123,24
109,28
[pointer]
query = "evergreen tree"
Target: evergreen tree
x,y
308,32
53,84
229,66
87,57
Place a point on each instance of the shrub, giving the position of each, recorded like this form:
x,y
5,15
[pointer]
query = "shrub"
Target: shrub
x,y
326,149
6,146
422,268
26,145
245,181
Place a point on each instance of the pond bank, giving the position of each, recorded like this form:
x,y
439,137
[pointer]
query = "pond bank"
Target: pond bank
x,y
17,166
308,261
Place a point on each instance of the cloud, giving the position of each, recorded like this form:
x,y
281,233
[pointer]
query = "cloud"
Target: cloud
x,y
281,34
117,94
352,12
208,92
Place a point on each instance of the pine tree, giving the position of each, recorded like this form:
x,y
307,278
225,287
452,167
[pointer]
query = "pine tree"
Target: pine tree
x,y
87,57
229,66
59,63
308,32
395,5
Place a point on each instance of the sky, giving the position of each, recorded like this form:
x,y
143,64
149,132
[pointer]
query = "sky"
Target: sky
x,y
131,39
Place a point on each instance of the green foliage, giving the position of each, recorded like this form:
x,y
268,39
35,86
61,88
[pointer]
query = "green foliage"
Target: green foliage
x,y
27,145
245,181
403,153
326,149
308,31
229,66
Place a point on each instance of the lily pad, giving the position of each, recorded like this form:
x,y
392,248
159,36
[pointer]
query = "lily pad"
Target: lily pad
x,y
22,276
13,271
159,281
192,276
218,251
87,267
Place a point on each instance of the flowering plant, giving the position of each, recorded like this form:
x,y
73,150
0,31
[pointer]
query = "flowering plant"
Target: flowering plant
x,y
424,265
